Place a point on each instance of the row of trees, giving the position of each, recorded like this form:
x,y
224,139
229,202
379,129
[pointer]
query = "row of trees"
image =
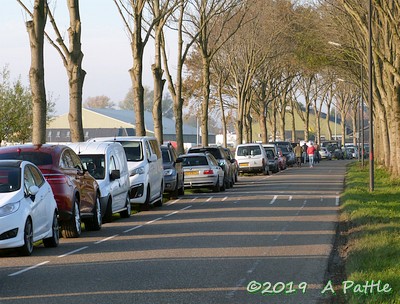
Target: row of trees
x,y
248,60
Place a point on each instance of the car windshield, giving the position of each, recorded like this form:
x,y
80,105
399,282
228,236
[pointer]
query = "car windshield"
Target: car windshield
x,y
166,157
10,179
248,150
133,150
38,158
94,164
270,153
190,161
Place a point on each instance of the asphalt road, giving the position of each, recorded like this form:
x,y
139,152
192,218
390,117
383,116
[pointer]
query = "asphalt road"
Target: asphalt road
x,y
269,234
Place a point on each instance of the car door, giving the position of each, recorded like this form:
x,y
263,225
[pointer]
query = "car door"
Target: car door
x,y
36,202
115,187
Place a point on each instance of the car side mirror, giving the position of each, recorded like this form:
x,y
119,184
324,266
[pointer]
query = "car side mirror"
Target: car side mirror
x,y
179,160
115,174
33,190
152,158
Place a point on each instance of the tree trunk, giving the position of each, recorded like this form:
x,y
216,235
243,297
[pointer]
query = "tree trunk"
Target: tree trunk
x,y
35,30
206,100
76,74
158,86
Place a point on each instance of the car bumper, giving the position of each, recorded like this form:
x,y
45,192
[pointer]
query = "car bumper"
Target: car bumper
x,y
170,183
12,230
195,182
137,194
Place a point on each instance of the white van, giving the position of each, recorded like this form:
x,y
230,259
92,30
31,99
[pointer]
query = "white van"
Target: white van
x,y
106,162
252,157
146,173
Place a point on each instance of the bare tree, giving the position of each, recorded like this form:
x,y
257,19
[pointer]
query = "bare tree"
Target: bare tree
x,y
98,102
35,29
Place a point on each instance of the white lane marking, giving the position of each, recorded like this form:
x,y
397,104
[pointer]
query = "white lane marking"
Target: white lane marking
x,y
290,198
235,202
27,269
322,199
193,199
224,199
172,213
133,228
155,220
337,201
186,208
106,239
173,202
209,199
73,251
273,200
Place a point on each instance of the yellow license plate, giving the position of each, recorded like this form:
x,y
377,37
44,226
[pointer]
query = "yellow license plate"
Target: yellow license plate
x,y
243,164
191,172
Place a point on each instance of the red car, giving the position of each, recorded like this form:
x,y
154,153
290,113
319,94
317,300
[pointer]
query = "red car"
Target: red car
x,y
75,190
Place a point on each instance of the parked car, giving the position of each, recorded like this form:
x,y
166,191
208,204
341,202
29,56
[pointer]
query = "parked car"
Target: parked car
x,y
28,210
173,171
220,155
232,159
75,190
106,162
287,151
146,173
324,153
273,161
203,170
252,157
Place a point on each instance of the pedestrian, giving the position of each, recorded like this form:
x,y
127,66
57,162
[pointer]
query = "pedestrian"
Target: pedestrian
x,y
316,154
298,153
305,153
310,153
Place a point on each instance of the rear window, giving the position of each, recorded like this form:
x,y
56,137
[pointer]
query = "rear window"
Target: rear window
x,y
248,150
94,164
166,156
38,158
215,152
194,161
133,150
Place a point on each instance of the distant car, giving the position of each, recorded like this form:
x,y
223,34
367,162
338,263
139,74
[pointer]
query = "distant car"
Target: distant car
x,y
252,158
287,150
220,155
232,159
173,171
106,162
75,190
28,210
202,170
325,154
273,161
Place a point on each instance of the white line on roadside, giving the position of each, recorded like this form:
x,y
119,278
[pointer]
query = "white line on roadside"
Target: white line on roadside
x,y
337,201
290,198
224,199
106,239
273,200
209,199
187,207
27,269
133,228
173,202
172,213
193,199
155,220
73,251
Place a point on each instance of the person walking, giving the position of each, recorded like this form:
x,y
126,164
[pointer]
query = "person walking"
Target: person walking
x,y
298,152
310,152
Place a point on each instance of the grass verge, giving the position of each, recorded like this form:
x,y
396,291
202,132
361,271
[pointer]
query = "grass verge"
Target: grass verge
x,y
372,251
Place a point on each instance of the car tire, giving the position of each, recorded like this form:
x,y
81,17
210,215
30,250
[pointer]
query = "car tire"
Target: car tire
x,y
72,228
217,187
54,240
127,212
175,193
181,190
146,204
95,222
108,215
27,248
159,202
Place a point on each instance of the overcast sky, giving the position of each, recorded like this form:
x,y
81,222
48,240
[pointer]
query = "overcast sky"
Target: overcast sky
x,y
105,44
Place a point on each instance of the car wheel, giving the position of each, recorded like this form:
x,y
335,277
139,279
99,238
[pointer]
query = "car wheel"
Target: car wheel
x,y
27,248
181,191
146,205
108,215
175,193
95,222
72,229
127,212
266,171
217,187
54,240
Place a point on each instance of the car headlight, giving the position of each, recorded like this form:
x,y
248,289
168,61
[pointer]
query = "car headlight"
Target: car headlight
x,y
137,171
168,172
8,209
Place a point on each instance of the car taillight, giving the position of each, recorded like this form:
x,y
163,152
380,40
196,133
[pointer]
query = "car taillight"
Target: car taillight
x,y
56,178
208,172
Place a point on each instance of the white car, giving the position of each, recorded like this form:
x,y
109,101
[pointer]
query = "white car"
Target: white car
x,y
251,158
106,162
146,172
28,210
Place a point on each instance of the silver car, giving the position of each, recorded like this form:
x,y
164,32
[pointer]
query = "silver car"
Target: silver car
x,y
201,170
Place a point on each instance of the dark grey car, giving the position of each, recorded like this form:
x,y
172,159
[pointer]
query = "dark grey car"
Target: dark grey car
x,y
173,171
